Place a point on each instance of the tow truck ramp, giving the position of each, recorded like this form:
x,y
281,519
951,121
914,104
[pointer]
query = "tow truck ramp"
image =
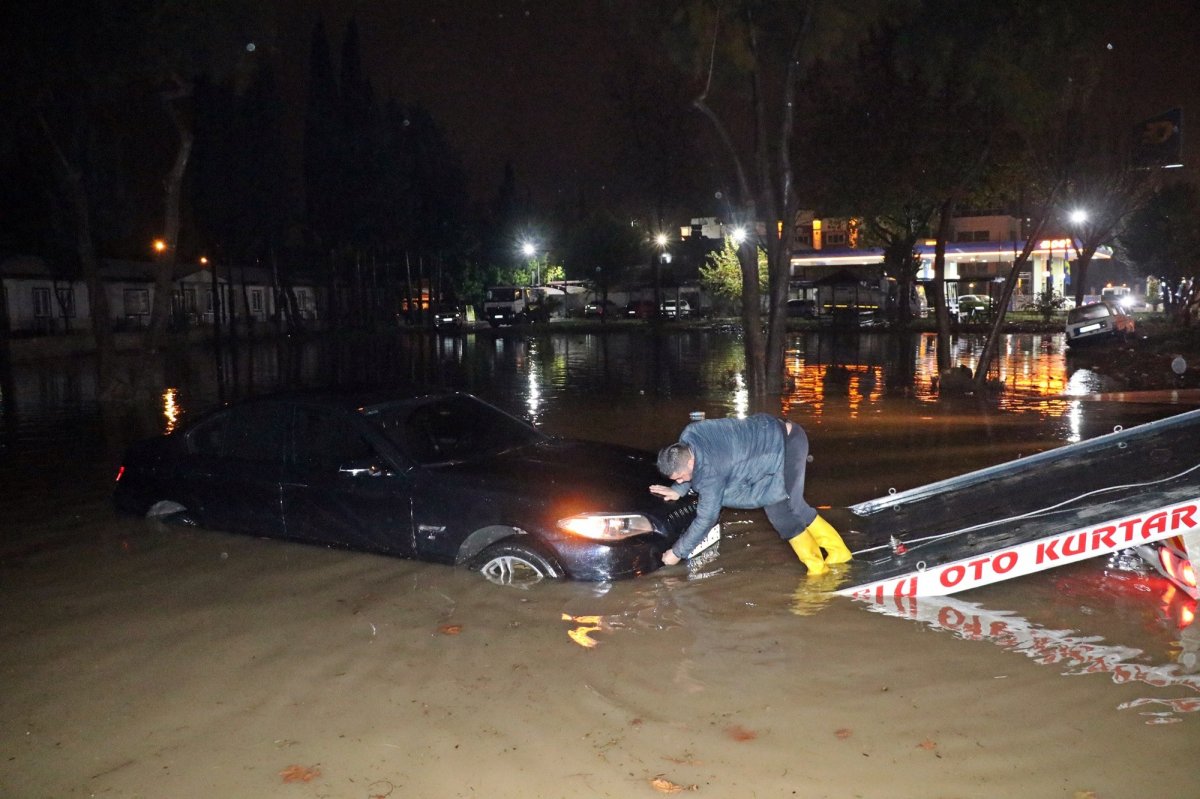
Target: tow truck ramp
x,y
1127,488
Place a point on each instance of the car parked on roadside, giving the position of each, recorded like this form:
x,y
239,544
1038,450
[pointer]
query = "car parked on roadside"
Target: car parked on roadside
x,y
429,474
449,318
676,309
1098,321
802,309
639,309
598,309
971,306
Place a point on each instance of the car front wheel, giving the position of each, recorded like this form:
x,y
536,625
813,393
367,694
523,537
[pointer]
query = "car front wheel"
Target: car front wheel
x,y
515,564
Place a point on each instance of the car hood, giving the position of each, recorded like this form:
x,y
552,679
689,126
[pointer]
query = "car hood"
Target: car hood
x,y
574,475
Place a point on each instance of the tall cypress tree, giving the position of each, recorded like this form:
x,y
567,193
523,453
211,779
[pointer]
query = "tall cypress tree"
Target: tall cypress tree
x,y
320,146
358,188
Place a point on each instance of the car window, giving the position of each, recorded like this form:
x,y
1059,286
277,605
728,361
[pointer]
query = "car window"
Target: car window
x,y
1088,312
253,433
453,428
327,441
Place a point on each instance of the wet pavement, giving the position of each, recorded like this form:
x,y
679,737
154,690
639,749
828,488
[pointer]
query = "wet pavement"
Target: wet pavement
x,y
143,660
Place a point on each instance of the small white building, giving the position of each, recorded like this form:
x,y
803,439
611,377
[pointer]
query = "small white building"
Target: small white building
x,y
36,299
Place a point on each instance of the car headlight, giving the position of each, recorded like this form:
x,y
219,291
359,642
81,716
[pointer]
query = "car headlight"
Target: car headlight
x,y
606,526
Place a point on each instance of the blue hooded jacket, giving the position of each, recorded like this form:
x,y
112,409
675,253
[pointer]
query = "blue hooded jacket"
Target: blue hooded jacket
x,y
738,464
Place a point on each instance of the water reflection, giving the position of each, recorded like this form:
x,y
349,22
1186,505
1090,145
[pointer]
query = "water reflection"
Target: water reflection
x,y
1075,653
850,373
170,409
632,386
827,373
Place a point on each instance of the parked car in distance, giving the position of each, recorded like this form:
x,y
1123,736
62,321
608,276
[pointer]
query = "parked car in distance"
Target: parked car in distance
x,y
1124,297
428,474
802,309
1097,321
974,305
600,309
676,309
449,318
639,309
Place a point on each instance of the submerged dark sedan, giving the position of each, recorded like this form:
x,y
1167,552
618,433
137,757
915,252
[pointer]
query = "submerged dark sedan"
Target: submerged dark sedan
x,y
435,475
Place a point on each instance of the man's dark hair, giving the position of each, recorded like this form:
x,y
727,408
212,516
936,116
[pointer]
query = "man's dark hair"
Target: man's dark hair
x,y
671,459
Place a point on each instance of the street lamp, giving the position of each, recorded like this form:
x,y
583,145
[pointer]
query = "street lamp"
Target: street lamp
x,y
660,258
160,246
738,235
529,250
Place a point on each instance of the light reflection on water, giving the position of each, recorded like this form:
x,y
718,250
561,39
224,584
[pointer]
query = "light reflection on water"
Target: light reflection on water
x,y
170,409
1067,650
854,373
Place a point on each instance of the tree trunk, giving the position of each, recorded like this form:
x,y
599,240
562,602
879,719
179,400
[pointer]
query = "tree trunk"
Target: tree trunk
x,y
779,276
164,278
216,311
779,260
993,340
752,330
939,287
106,351
1079,273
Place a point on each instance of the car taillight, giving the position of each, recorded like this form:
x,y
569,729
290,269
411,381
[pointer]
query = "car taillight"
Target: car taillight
x,y
120,471
1180,569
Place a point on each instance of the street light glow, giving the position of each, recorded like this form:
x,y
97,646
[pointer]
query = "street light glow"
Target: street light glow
x,y
738,235
1078,216
661,239
160,245
528,249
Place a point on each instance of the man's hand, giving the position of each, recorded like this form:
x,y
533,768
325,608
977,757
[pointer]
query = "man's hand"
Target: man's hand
x,y
669,558
668,494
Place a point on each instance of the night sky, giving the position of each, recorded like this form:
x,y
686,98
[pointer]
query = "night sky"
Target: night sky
x,y
1156,67
531,81
527,82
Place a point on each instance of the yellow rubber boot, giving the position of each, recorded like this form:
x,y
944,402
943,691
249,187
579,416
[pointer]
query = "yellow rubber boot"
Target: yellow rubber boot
x,y
809,553
829,540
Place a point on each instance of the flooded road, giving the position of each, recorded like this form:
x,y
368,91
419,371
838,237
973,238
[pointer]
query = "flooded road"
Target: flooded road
x,y
143,661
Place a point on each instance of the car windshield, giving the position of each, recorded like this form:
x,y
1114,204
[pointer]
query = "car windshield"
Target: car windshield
x,y
1087,312
453,428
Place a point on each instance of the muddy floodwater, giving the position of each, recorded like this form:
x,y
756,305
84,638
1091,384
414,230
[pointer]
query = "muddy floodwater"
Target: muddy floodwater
x,y
141,660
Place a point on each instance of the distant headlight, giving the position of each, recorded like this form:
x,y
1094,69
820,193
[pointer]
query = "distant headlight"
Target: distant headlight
x,y
606,527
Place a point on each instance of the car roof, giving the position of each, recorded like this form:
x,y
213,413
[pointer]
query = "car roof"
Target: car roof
x,y
350,398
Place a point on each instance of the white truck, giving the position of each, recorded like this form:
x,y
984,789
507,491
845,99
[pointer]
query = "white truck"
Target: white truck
x,y
514,305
